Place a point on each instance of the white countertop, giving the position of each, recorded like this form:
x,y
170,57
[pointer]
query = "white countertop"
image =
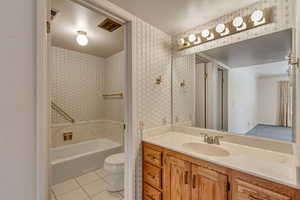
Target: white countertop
x,y
273,166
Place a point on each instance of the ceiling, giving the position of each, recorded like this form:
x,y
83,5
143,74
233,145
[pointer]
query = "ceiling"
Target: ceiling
x,y
271,69
73,17
266,49
176,16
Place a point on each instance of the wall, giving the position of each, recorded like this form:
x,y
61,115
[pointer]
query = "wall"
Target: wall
x,y
183,97
78,82
77,85
114,73
269,99
18,100
151,58
242,100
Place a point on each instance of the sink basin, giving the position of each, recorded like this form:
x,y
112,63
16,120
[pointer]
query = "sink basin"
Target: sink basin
x,y
207,149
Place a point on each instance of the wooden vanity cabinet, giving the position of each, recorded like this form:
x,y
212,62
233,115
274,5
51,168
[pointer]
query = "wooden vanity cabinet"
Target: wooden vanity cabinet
x,y
247,187
168,175
208,184
177,179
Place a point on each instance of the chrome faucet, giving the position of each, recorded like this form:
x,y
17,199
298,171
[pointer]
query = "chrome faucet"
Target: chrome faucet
x,y
212,139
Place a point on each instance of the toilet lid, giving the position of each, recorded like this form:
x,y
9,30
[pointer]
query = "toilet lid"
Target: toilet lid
x,y
116,159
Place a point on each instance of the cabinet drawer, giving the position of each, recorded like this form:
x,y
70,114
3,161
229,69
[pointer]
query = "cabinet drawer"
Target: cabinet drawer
x,y
151,193
248,191
152,175
153,157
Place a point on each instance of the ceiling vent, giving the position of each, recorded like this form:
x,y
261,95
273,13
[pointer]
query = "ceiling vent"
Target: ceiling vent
x,y
109,25
54,12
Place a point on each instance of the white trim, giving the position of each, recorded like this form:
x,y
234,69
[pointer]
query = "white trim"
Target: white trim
x,y
43,106
42,110
96,8
297,89
87,122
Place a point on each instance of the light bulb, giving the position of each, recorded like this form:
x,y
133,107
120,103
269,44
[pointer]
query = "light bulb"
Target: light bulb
x,y
181,41
257,16
82,38
238,22
220,28
192,37
205,33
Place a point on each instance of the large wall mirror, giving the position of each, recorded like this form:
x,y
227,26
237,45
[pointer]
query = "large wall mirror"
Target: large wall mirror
x,y
243,88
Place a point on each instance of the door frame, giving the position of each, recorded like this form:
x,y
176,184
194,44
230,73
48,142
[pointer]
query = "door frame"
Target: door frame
x,y
42,95
296,115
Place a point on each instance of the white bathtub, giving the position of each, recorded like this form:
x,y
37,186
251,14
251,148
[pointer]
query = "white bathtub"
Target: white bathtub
x,y
73,160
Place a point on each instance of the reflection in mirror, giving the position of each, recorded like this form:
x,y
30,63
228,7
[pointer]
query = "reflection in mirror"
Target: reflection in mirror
x,y
241,88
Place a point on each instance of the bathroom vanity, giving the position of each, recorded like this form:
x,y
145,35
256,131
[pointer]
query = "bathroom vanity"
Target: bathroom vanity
x,y
238,92
176,168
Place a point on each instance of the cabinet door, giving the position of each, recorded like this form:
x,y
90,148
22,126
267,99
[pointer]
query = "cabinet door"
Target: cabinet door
x,y
177,179
243,190
208,184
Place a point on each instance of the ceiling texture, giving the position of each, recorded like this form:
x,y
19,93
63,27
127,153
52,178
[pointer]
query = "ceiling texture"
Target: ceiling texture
x,y
73,17
266,49
176,16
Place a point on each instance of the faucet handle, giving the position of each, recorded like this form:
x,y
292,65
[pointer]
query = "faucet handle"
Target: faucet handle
x,y
216,139
206,138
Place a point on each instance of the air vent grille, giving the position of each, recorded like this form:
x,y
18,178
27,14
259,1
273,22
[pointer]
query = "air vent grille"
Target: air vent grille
x,y
109,25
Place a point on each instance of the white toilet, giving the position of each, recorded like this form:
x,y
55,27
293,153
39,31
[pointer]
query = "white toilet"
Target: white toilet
x,y
114,166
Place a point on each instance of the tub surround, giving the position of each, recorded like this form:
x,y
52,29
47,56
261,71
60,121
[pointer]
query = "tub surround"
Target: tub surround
x,y
251,159
87,130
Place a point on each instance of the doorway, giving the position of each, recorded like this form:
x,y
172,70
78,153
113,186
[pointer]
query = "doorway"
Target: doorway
x,y
81,72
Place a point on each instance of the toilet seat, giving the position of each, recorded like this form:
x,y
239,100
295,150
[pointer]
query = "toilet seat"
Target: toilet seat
x,y
115,159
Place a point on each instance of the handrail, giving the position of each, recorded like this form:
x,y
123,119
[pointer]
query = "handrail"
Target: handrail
x,y
113,95
62,112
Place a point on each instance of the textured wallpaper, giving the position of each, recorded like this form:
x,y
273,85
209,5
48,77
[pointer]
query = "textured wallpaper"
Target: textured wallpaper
x,y
76,81
183,101
151,59
114,73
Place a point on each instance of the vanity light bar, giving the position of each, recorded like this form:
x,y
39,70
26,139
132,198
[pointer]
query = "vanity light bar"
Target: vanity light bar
x,y
237,25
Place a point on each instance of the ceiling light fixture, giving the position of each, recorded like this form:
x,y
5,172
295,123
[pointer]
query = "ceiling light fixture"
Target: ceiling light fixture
x,y
239,23
82,38
257,17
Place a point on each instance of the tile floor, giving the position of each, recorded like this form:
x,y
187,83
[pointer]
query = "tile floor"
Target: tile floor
x,y
90,186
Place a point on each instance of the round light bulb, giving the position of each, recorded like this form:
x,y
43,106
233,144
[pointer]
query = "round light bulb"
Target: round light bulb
x,y
82,38
257,16
205,33
181,41
220,28
192,37
238,22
